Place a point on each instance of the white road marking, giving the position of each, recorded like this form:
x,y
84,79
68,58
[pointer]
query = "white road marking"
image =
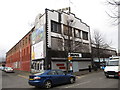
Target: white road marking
x,y
23,76
79,77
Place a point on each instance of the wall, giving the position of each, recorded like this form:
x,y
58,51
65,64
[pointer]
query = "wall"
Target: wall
x,y
18,56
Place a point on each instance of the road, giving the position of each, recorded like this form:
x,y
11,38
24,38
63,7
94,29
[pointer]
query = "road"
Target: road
x,y
91,80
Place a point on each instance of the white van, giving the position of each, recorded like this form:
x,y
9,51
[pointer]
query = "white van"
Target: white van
x,y
119,70
112,67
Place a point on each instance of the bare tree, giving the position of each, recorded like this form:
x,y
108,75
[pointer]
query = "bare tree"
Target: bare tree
x,y
115,13
69,44
98,42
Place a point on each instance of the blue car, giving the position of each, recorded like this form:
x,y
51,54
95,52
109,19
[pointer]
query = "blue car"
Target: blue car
x,y
49,78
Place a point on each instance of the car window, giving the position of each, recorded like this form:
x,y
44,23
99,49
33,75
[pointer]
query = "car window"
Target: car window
x,y
42,72
52,73
60,73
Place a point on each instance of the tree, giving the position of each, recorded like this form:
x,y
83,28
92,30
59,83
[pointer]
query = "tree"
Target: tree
x,y
115,15
115,12
100,44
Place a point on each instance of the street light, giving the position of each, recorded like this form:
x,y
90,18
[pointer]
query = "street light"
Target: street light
x,y
69,22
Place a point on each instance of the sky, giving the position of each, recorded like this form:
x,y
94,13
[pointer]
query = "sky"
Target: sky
x,y
17,18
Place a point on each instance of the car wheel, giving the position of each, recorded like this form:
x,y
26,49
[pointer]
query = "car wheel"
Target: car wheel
x,y
47,84
72,80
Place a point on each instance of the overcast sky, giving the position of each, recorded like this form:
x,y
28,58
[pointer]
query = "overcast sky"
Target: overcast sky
x,y
16,17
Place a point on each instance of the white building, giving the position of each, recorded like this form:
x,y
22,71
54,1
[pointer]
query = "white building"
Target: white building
x,y
57,34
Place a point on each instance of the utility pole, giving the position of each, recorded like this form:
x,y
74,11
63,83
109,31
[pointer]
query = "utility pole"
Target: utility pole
x,y
69,43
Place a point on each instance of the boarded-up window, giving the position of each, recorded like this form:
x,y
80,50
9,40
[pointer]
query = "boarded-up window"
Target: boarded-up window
x,y
57,43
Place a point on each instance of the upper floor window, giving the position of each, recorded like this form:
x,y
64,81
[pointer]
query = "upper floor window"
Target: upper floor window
x,y
77,33
67,30
85,35
55,27
26,40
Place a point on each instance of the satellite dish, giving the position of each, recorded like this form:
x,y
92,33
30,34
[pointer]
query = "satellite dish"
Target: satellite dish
x,y
37,19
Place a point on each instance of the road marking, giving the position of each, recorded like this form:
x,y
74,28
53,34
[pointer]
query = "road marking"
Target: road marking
x,y
79,77
23,76
78,84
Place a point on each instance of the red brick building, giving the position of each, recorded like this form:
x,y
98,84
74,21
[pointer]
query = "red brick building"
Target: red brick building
x,y
19,55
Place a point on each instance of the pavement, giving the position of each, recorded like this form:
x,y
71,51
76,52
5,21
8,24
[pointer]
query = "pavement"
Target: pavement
x,y
25,74
85,72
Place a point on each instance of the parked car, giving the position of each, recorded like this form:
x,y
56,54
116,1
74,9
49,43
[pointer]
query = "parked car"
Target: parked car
x,y
1,67
49,78
8,69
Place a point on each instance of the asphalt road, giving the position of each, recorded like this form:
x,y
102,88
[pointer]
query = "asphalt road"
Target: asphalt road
x,y
91,80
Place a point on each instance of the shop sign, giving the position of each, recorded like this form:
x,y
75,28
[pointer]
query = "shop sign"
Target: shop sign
x,y
75,54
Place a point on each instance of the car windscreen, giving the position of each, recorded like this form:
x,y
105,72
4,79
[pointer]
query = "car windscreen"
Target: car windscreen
x,y
112,63
8,68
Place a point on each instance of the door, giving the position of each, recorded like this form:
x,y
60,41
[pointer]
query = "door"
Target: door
x,y
54,77
62,77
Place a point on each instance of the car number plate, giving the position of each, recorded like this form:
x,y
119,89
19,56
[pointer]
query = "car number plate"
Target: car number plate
x,y
31,79
111,75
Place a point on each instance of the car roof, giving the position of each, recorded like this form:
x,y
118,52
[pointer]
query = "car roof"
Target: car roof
x,y
52,70
114,60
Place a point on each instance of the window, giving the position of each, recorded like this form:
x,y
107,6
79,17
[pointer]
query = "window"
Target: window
x,y
56,43
66,28
60,73
68,44
77,33
24,52
26,40
29,38
23,42
85,35
55,27
52,73
113,63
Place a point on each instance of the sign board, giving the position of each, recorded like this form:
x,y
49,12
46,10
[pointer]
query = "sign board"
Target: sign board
x,y
37,51
69,58
75,54
37,48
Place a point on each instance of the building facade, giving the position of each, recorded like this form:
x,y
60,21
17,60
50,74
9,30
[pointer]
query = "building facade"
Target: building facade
x,y
18,57
57,37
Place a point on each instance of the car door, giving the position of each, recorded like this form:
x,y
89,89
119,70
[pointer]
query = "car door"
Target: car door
x,y
62,76
54,77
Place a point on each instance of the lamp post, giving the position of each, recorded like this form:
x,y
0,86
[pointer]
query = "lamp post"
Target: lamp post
x,y
69,45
